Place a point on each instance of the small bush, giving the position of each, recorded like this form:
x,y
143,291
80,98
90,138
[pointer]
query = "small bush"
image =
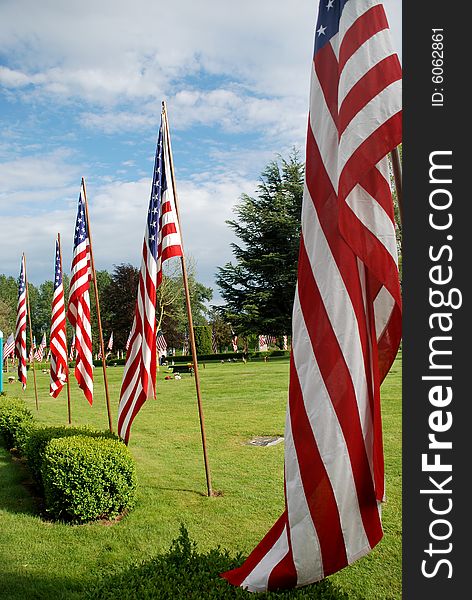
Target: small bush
x,y
183,572
16,421
39,438
87,478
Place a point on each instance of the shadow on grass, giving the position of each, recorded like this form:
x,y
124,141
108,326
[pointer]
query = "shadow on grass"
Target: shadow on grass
x,y
183,572
17,491
37,586
187,491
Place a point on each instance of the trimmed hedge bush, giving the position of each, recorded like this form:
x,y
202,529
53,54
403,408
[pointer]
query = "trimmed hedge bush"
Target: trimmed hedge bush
x,y
87,478
225,355
40,436
16,422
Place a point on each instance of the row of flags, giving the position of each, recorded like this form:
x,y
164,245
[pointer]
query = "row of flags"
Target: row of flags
x,y
57,333
38,353
346,325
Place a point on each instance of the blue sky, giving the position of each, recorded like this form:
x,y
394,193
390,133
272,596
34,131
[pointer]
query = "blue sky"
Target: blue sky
x,y
81,85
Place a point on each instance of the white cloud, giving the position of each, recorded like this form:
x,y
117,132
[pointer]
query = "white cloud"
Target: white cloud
x,y
36,178
117,215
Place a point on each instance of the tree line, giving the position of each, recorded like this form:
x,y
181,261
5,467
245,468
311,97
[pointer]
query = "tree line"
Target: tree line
x,y
258,286
117,295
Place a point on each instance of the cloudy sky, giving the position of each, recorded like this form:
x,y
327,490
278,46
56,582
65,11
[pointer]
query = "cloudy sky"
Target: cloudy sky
x,y
81,86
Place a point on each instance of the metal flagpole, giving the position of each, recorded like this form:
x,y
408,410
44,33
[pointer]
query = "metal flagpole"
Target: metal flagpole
x,y
67,349
97,303
31,334
397,176
189,312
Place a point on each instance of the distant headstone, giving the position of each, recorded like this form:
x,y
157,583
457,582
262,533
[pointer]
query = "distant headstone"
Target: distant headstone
x,y
265,440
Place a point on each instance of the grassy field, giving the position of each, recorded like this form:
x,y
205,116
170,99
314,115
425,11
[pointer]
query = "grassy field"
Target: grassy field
x,y
39,559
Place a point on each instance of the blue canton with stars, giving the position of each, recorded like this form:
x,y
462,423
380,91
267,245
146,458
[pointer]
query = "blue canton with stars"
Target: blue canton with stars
x,y
21,281
327,26
57,269
159,186
80,224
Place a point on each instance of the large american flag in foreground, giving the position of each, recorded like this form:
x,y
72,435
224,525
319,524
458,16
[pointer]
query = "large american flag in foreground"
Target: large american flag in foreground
x,y
161,242
20,334
58,340
346,315
78,311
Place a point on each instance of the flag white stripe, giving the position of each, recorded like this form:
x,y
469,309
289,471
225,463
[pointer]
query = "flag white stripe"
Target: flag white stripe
x,y
376,49
383,306
376,112
339,307
324,130
304,538
257,580
371,214
352,11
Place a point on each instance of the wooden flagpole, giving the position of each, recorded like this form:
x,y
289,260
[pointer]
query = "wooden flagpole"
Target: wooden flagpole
x,y
31,335
67,349
397,176
189,312
97,303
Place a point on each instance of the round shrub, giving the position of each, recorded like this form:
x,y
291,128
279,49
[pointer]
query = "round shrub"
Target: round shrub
x,y
16,422
87,478
40,436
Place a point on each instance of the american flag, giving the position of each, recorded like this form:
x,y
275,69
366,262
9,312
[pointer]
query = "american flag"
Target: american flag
x,y
110,342
38,355
20,334
234,341
262,343
9,346
32,351
58,341
161,242
346,316
214,345
186,345
78,311
128,340
161,343
285,343
72,348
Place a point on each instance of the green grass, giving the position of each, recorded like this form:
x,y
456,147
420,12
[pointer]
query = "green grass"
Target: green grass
x,y
39,559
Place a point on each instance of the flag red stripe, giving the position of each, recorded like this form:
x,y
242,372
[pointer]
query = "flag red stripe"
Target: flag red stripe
x,y
366,26
237,576
372,83
325,64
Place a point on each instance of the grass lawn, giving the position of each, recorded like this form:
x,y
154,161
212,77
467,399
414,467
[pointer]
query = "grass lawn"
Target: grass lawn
x,y
39,559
